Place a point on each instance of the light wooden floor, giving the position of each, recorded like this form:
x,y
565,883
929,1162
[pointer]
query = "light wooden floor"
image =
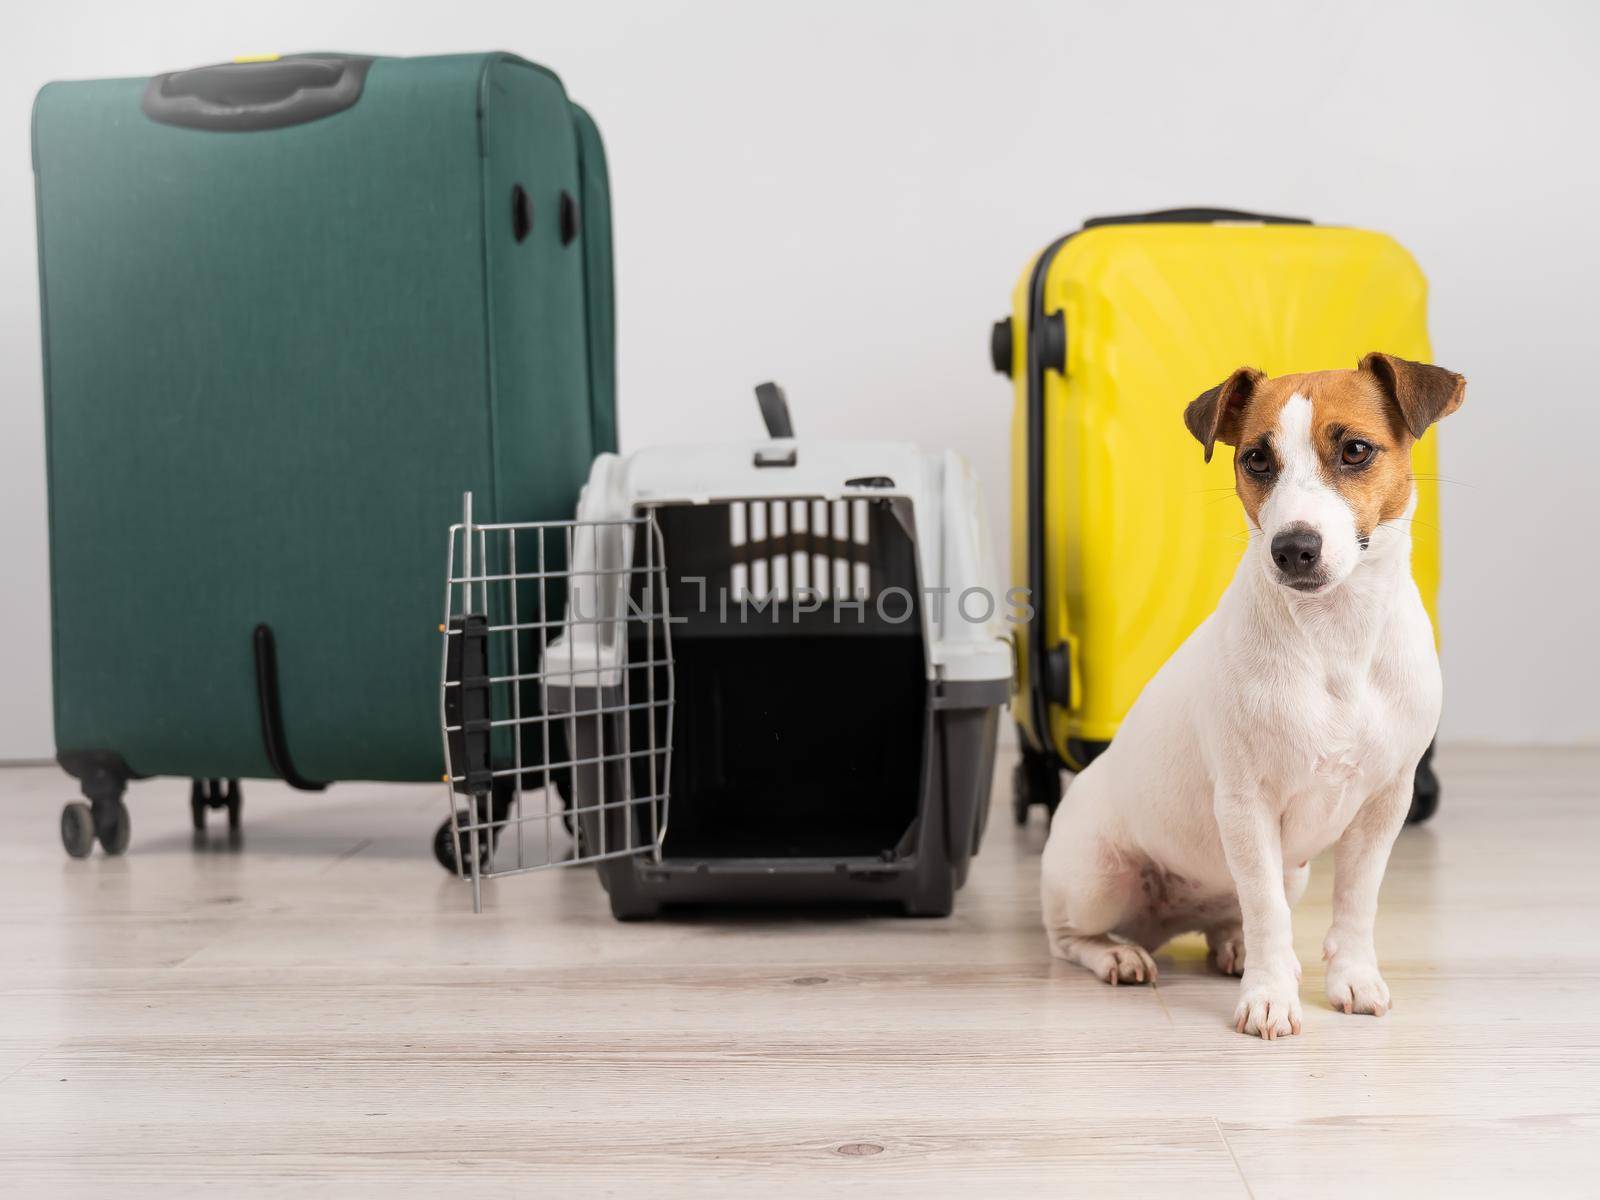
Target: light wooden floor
x,y
321,1012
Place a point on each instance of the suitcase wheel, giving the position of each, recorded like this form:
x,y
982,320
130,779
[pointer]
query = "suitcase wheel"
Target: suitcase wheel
x,y
113,827
1425,793
83,825
215,793
1036,779
444,846
77,829
492,813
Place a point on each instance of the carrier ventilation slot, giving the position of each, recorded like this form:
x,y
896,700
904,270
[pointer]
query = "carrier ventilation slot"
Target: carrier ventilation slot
x,y
784,549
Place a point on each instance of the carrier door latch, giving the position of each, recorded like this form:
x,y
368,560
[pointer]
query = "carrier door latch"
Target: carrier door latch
x,y
467,703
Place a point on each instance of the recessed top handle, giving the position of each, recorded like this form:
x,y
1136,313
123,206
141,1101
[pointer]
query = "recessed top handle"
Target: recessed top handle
x,y
244,96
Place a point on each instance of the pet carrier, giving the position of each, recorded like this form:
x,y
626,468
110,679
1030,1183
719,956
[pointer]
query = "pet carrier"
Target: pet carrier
x,y
794,647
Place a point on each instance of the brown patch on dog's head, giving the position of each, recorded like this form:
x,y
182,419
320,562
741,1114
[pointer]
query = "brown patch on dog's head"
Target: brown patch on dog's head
x,y
1362,426
1420,392
1214,416
1364,454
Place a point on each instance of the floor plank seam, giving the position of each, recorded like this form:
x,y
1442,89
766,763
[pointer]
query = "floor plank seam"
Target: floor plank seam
x,y
346,855
44,1051
1165,1011
1226,1145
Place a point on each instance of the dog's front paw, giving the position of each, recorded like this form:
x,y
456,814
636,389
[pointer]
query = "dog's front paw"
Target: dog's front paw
x,y
1121,962
1269,1007
1354,986
1227,949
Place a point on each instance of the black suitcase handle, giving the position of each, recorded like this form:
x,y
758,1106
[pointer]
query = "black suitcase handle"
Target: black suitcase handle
x,y
1193,216
245,96
271,711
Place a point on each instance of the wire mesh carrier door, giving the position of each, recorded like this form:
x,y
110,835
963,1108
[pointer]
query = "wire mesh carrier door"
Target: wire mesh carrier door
x,y
556,694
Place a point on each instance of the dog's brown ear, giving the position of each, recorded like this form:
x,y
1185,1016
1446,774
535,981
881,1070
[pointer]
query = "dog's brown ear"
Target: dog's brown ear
x,y
1214,416
1422,393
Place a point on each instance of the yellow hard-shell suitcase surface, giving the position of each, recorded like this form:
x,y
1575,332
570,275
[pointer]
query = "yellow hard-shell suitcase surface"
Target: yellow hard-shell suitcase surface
x,y
1124,535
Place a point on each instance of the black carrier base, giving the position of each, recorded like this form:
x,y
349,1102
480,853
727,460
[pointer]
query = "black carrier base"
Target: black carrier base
x,y
814,760
915,870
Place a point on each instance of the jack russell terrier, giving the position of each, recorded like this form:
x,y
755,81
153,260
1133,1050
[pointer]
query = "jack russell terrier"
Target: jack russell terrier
x,y
1290,721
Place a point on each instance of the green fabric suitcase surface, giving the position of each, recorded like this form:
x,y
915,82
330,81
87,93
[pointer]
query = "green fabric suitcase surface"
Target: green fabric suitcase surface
x,y
292,311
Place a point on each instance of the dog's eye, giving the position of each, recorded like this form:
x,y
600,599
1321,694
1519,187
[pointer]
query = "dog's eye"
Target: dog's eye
x,y
1257,463
1356,453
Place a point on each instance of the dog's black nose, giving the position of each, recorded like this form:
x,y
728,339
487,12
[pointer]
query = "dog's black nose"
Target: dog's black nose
x,y
1297,550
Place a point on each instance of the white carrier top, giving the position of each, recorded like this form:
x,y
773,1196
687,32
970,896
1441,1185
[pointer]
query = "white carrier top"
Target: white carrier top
x,y
966,613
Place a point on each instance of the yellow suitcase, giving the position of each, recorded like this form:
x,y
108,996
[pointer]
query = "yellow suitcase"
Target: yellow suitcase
x,y
1124,535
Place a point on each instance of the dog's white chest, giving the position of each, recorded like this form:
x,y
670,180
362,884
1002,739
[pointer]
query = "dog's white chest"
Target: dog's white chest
x,y
1317,813
1346,749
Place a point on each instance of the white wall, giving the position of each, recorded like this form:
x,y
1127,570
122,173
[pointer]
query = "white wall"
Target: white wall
x,y
839,195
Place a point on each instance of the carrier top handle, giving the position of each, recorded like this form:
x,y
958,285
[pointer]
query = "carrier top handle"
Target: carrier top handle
x,y
245,96
775,412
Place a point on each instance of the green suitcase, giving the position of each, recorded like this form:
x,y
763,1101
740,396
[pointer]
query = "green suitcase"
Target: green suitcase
x,y
292,310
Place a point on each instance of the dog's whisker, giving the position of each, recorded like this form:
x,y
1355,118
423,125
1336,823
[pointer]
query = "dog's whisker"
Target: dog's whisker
x,y
1410,521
